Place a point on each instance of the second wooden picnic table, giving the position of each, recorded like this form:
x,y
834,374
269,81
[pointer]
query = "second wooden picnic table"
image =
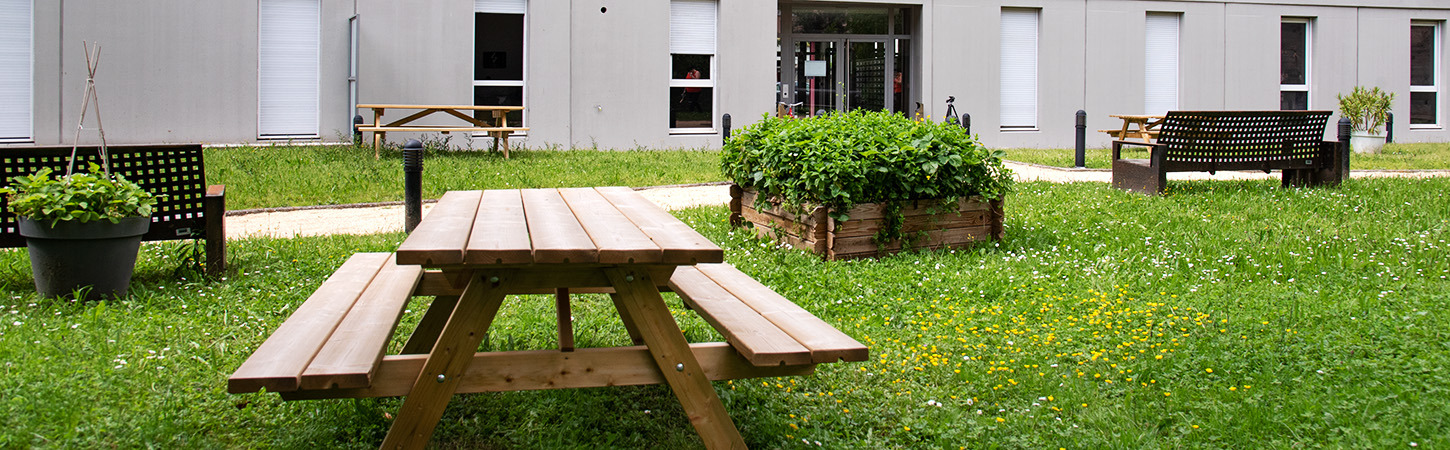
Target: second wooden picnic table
x,y
1136,126
499,130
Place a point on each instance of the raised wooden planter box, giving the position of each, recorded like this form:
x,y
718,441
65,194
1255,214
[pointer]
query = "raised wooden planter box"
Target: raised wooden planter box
x,y
975,220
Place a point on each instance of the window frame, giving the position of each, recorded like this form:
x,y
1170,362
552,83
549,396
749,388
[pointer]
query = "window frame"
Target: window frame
x,y
28,108
1439,27
1148,86
481,7
315,33
1036,79
705,83
1306,88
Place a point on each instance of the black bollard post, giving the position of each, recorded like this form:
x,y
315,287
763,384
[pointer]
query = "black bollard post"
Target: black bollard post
x,y
1344,148
1389,127
412,184
1081,159
967,123
357,121
725,125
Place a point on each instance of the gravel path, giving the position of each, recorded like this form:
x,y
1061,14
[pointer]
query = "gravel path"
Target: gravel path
x,y
369,219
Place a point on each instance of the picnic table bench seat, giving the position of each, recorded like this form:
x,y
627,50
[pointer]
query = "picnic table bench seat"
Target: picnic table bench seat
x,y
1210,141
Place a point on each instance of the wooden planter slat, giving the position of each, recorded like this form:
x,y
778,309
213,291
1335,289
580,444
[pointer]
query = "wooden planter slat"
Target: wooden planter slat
x,y
974,220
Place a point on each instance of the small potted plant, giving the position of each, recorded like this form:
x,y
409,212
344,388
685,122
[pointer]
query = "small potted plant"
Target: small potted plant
x,y
1367,110
82,229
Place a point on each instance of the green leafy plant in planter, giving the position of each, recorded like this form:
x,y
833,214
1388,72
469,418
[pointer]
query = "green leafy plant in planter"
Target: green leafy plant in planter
x,y
82,230
840,160
1367,109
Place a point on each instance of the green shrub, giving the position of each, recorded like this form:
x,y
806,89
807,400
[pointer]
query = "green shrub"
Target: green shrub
x,y
80,197
843,159
1366,109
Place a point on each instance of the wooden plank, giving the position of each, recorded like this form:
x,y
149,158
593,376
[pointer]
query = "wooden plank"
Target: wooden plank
x,y
277,364
354,350
462,107
619,241
556,234
912,224
757,339
827,344
436,382
444,129
681,244
783,220
500,234
441,237
934,239
673,357
552,369
584,280
565,318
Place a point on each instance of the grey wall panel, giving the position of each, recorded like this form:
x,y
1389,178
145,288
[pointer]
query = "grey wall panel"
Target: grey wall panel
x,y
336,113
415,52
745,58
620,73
1384,61
1251,66
46,94
170,71
548,74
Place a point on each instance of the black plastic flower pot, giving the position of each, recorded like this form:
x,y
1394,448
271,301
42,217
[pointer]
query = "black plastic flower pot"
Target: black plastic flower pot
x,y
71,256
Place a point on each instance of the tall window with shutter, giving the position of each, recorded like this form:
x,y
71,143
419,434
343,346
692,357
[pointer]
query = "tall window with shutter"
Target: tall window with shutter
x,y
1160,69
1295,53
16,66
287,68
1425,74
692,65
498,57
1019,68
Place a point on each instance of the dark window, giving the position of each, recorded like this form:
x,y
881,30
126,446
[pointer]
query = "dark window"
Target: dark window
x,y
680,66
1422,55
499,46
691,107
1293,53
499,96
1293,100
828,20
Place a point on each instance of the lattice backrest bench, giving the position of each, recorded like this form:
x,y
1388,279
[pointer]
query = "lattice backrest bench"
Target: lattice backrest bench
x,y
1210,141
190,208
334,344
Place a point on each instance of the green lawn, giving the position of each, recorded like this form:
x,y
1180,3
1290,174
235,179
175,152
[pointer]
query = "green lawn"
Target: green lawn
x,y
260,177
1222,314
1392,157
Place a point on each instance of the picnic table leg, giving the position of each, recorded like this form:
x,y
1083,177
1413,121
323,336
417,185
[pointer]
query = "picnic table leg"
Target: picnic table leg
x,y
423,337
448,360
566,319
377,135
641,301
628,321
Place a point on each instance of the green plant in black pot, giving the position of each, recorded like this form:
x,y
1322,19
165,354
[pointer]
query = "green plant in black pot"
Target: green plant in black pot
x,y
82,230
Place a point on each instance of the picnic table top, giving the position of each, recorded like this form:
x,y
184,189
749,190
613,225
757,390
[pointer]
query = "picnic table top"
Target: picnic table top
x,y
1136,116
605,225
465,107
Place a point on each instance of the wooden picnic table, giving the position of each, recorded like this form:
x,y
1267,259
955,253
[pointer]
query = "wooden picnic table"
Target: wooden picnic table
x,y
474,248
499,130
1140,127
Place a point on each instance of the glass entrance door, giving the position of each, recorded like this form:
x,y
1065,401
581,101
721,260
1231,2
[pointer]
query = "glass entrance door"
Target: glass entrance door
x,y
866,78
816,77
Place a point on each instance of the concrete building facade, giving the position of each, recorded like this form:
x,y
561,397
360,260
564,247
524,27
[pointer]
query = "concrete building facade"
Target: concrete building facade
x,y
659,73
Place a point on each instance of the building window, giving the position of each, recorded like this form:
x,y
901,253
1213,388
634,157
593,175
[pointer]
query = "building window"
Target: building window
x,y
16,58
1295,53
1160,69
1425,74
1019,68
498,58
288,60
692,66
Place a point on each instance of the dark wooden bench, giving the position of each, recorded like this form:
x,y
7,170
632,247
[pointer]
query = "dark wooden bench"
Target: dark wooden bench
x,y
189,209
1210,141
334,344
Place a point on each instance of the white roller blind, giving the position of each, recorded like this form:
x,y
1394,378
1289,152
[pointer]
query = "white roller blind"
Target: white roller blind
x,y
500,6
1019,68
16,46
692,27
288,67
1160,71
